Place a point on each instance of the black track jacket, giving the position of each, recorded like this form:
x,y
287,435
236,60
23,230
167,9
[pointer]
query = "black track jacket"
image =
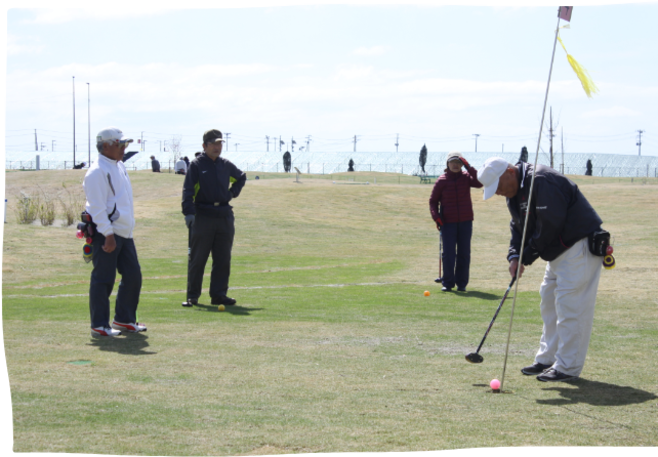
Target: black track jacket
x,y
207,188
560,215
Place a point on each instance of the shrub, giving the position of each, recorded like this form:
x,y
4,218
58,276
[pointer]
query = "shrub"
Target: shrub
x,y
26,208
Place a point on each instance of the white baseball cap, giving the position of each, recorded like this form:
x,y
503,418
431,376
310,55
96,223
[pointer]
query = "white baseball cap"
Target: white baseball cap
x,y
490,173
112,134
454,155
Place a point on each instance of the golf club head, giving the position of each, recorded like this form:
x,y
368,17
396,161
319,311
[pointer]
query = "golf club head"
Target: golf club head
x,y
474,357
438,280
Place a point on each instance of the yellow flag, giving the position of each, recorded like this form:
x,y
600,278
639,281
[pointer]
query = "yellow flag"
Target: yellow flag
x,y
582,74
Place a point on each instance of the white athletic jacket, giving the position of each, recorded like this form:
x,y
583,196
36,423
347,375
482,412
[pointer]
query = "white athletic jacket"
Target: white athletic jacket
x,y
107,187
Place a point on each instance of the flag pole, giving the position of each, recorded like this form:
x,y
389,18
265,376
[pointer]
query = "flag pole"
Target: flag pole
x,y
532,183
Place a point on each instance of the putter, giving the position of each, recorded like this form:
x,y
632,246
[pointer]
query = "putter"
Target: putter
x,y
475,357
189,257
440,278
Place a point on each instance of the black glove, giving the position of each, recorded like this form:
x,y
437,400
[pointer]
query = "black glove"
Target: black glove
x,y
530,254
189,220
465,163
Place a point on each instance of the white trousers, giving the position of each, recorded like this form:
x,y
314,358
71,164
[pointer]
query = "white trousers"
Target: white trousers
x,y
568,296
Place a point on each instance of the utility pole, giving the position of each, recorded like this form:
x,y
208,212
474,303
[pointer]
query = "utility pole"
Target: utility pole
x,y
550,135
228,135
280,143
53,146
355,140
639,142
292,144
308,141
141,142
89,123
397,141
36,145
42,146
267,138
562,146
74,120
236,146
476,135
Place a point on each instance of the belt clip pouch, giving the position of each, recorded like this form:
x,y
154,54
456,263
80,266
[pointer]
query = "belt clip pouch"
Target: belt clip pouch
x,y
599,242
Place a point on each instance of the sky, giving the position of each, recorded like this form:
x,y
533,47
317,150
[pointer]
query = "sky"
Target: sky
x,y
323,75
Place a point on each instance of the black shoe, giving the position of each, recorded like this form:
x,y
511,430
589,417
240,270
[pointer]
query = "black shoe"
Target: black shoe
x,y
446,289
535,369
190,302
228,301
552,375
461,289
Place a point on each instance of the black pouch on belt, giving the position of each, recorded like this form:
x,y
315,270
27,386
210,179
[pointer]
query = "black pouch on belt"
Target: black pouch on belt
x,y
599,242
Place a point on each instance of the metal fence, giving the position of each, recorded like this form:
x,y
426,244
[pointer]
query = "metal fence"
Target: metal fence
x,y
308,167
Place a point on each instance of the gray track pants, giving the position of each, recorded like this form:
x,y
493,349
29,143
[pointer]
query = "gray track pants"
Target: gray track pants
x,y
210,235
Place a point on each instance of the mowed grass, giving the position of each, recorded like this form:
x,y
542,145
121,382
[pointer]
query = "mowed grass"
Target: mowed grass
x,y
332,346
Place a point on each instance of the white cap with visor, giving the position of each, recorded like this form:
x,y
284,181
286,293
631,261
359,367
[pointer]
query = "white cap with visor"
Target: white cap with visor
x,y
490,173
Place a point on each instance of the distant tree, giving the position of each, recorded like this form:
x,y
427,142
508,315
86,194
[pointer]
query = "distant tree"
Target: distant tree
x,y
524,154
423,158
175,148
588,171
287,162
351,165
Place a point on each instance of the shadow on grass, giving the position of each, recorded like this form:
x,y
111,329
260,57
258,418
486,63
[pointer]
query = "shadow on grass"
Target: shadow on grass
x,y
131,344
235,310
597,394
479,295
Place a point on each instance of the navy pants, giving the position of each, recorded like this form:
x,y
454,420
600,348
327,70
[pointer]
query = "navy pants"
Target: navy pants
x,y
210,235
456,255
124,260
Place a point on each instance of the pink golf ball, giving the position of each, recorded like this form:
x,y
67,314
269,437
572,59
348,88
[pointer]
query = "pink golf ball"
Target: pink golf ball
x,y
495,384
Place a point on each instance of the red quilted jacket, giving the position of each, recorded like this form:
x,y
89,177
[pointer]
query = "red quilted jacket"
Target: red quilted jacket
x,y
453,192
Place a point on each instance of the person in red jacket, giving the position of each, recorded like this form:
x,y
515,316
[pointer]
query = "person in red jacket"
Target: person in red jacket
x,y
452,211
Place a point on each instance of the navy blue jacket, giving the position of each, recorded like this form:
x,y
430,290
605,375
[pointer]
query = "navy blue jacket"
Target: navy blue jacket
x,y
210,185
560,215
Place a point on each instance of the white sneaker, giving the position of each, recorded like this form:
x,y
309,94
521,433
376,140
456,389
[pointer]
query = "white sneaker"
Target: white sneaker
x,y
99,332
132,328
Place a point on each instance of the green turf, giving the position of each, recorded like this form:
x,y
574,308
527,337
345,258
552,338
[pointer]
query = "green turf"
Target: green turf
x,y
332,346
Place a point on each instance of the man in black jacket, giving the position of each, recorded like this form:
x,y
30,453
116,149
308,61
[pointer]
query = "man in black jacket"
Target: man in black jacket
x,y
210,184
560,221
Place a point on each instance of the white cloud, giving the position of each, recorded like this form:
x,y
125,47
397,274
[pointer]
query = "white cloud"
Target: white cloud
x,y
612,112
372,51
61,14
22,45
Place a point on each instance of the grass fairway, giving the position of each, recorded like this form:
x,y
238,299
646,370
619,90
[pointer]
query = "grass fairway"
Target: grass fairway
x,y
332,346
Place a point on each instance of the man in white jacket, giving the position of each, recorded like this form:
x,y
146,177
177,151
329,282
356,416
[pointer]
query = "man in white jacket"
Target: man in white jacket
x,y
110,204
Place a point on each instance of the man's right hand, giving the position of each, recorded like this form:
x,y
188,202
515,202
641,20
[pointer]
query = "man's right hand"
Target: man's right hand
x,y
110,243
189,220
513,265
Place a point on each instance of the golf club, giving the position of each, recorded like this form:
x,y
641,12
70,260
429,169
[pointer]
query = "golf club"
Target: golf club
x,y
475,357
186,303
440,278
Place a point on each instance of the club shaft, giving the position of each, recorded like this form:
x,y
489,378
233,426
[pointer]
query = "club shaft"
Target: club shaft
x,y
496,315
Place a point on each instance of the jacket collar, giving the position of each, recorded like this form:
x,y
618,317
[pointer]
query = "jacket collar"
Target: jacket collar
x,y
101,157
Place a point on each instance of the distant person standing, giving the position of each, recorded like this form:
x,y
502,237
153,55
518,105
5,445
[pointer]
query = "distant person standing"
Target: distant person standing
x,y
180,167
155,165
452,211
187,163
210,184
110,204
